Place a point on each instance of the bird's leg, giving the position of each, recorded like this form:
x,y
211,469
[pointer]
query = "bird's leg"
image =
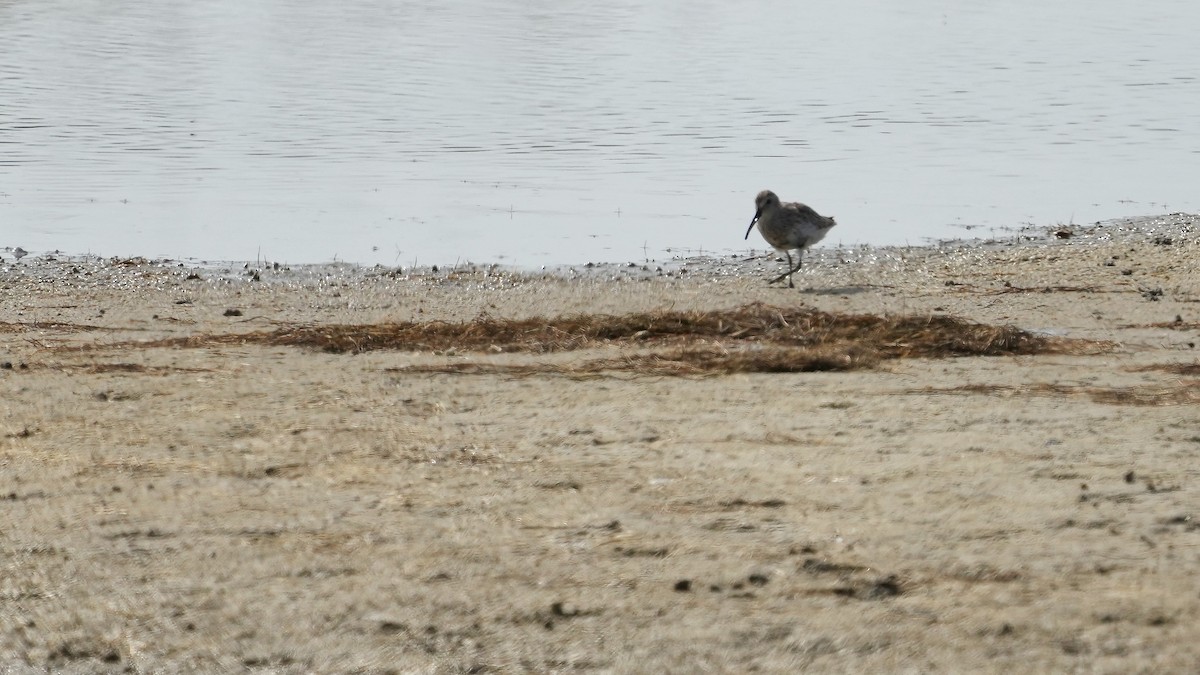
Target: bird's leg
x,y
788,274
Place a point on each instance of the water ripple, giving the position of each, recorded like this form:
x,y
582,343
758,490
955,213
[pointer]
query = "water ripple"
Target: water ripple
x,y
211,129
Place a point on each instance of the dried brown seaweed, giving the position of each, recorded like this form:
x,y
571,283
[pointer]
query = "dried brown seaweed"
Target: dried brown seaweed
x,y
867,338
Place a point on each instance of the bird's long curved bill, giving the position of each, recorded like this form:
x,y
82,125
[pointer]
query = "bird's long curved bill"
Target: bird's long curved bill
x,y
752,222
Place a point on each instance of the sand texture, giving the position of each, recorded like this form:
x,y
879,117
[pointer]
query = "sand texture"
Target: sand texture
x,y
969,457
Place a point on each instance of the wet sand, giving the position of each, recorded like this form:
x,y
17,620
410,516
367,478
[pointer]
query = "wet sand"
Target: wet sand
x,y
255,507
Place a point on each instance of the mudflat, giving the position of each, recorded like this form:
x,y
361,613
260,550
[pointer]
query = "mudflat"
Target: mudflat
x,y
965,457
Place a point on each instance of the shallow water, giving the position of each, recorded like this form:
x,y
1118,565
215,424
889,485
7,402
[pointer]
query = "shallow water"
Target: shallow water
x,y
535,133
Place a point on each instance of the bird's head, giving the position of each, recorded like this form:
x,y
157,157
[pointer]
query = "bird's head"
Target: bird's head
x,y
764,201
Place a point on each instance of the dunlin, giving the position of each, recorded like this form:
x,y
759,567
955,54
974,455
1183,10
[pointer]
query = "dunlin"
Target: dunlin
x,y
788,227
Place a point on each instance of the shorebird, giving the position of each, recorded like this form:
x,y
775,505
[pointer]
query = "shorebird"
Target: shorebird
x,y
788,227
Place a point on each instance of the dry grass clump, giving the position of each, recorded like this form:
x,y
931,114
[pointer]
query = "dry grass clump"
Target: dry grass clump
x,y
866,338
754,338
129,369
1182,394
1189,369
721,361
675,362
10,327
1186,393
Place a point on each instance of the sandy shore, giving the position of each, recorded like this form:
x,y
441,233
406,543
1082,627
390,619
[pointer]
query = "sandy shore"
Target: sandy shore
x,y
242,506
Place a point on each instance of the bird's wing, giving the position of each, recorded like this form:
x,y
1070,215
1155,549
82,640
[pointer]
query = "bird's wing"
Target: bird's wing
x,y
803,209
810,214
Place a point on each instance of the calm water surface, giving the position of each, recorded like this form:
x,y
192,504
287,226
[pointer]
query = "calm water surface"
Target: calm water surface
x,y
538,132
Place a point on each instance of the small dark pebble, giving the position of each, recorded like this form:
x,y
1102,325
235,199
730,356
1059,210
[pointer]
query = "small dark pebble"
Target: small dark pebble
x,y
563,609
1130,477
683,585
885,588
758,579
1072,647
7,365
233,312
